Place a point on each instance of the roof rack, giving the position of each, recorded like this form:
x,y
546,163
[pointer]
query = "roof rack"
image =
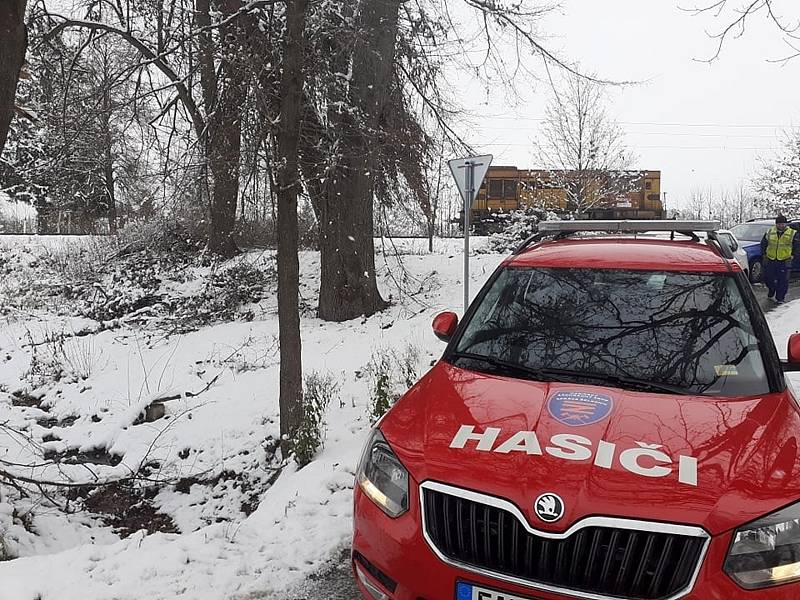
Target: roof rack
x,y
562,229
623,226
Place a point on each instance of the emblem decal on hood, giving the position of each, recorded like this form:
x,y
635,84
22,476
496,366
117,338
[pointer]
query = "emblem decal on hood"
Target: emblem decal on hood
x,y
579,408
549,507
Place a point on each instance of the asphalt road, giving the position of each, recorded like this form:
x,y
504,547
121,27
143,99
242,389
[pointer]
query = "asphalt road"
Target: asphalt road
x,y
336,581
768,305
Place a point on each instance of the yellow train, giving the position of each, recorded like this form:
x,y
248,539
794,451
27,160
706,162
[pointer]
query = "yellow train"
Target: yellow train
x,y
633,195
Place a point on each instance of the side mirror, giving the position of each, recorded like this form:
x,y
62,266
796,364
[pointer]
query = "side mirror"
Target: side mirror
x,y
793,350
444,326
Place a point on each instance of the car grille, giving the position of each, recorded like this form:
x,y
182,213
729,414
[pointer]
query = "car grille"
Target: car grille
x,y
605,561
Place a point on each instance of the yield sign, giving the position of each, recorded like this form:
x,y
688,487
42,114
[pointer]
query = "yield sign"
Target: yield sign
x,y
468,186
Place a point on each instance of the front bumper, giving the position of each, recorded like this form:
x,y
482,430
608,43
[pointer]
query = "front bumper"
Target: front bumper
x,y
398,550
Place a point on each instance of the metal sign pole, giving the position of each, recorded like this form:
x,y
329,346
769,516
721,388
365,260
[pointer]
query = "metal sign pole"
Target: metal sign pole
x,y
475,168
469,174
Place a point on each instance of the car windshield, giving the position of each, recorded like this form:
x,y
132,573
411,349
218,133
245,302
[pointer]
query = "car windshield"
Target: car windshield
x,y
750,232
685,331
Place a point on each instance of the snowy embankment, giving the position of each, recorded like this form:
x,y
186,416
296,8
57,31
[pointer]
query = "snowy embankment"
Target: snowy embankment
x,y
233,524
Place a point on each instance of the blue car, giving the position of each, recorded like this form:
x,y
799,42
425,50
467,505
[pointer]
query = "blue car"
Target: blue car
x,y
749,235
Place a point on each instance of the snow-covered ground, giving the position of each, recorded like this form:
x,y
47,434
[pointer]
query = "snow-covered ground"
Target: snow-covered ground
x,y
237,527
215,449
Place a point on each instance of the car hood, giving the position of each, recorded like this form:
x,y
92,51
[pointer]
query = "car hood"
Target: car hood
x,y
712,462
750,247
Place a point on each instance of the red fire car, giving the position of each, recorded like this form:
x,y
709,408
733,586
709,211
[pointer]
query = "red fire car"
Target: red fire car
x,y
609,420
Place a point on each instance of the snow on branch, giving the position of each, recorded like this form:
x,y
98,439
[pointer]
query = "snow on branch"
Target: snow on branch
x,y
735,17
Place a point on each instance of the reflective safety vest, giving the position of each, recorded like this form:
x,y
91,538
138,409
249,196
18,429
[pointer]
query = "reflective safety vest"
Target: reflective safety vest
x,y
779,247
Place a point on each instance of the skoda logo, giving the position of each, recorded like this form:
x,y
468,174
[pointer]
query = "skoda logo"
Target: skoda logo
x,y
549,507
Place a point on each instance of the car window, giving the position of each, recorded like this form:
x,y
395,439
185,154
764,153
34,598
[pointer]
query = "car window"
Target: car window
x,y
729,241
690,330
750,232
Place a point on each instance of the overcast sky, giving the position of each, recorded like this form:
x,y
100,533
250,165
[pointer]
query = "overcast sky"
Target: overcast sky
x,y
702,125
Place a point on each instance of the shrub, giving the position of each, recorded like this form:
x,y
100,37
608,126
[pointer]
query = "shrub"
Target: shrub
x,y
225,292
387,371
4,552
409,360
78,356
262,232
379,372
258,233
519,226
317,395
136,286
63,356
6,520
76,259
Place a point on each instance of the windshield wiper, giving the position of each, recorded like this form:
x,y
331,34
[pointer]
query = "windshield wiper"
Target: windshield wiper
x,y
566,375
509,368
624,381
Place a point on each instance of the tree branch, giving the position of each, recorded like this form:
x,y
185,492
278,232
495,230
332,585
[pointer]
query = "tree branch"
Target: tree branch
x,y
198,121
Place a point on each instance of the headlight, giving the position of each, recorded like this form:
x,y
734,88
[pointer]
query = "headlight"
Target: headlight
x,y
382,477
767,552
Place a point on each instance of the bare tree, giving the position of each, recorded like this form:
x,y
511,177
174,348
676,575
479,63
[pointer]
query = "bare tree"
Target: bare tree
x,y
735,15
430,208
213,33
743,204
581,144
85,156
227,89
699,203
729,206
778,183
13,43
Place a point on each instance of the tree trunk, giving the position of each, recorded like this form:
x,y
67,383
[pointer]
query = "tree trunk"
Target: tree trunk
x,y
348,288
223,158
108,162
44,220
224,135
13,44
313,158
112,199
291,372
208,88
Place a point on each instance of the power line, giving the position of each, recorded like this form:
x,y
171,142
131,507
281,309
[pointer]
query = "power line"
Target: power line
x,y
659,124
635,147
660,133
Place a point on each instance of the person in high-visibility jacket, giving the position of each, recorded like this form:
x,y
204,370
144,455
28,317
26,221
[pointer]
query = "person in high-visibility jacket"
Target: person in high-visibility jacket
x,y
778,247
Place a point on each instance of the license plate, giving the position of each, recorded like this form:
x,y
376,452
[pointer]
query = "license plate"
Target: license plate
x,y
468,591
